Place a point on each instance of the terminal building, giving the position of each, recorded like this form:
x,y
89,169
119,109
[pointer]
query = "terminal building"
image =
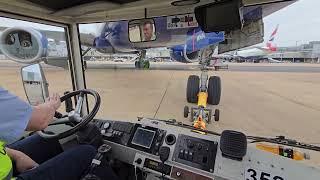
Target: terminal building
x,y
309,53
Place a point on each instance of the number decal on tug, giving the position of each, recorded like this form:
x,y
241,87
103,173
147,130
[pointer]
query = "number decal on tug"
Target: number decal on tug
x,y
255,174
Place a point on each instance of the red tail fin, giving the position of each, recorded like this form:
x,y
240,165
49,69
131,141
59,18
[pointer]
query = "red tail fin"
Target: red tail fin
x,y
270,44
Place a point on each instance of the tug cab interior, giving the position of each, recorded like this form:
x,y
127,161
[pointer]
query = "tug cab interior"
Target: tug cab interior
x,y
147,148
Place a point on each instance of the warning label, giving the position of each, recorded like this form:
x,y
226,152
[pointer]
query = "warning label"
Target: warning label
x,y
181,21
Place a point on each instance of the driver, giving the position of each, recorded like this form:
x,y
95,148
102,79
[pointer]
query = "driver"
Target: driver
x,y
34,157
148,31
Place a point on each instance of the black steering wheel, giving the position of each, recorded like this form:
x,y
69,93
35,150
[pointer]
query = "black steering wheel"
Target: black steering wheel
x,y
74,118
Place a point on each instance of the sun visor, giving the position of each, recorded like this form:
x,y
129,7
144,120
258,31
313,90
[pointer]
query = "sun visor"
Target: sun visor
x,y
224,15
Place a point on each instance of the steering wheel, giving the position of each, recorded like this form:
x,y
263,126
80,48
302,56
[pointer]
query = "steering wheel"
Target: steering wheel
x,y
74,118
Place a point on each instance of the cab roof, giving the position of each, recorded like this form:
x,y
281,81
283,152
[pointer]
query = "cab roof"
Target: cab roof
x,y
57,5
88,11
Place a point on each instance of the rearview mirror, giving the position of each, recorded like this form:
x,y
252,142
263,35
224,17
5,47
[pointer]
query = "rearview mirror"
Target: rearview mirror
x,y
142,30
34,83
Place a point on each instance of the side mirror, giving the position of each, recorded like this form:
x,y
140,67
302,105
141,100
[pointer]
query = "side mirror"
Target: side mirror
x,y
142,30
34,83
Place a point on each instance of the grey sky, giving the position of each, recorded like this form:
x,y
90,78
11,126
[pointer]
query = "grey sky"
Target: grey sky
x,y
7,22
298,23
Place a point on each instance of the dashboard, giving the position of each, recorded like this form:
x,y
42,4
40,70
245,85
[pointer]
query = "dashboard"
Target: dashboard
x,y
195,155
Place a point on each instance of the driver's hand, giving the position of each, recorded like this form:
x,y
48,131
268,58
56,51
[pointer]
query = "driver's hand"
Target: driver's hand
x,y
54,101
23,162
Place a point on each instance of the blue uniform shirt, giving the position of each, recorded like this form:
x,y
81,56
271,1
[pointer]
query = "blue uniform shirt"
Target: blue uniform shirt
x,y
14,116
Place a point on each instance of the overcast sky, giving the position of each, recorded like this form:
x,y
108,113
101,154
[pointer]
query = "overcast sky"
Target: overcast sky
x,y
298,23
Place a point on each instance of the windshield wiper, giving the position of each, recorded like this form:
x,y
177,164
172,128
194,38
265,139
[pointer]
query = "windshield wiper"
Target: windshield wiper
x,y
174,122
284,141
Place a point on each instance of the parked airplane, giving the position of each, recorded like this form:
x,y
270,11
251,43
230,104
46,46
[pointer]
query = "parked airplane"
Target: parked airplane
x,y
185,42
257,53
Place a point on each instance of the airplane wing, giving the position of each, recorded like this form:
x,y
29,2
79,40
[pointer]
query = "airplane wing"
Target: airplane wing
x,y
261,48
86,39
275,6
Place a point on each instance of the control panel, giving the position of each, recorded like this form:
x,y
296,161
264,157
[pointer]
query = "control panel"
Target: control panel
x,y
195,152
147,139
165,150
144,138
116,131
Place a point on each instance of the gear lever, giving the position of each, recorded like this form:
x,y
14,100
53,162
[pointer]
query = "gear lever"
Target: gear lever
x,y
102,150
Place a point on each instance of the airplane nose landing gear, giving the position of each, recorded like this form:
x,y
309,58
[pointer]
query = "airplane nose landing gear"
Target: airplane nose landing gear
x,y
203,90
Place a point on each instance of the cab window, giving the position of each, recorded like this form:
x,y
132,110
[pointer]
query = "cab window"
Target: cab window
x,y
49,40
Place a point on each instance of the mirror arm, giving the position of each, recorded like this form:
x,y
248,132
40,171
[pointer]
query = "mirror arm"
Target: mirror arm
x,y
145,13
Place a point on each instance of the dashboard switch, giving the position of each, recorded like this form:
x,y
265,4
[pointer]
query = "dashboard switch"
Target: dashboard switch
x,y
181,152
190,156
185,156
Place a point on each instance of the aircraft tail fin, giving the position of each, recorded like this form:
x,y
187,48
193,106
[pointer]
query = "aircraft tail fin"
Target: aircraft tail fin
x,y
270,44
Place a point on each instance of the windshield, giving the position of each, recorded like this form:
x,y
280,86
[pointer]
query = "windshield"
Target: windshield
x,y
268,89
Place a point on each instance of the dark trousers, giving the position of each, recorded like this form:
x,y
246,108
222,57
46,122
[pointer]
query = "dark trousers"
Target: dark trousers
x,y
54,164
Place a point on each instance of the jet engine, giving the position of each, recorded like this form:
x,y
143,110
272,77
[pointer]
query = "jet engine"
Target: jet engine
x,y
23,45
180,54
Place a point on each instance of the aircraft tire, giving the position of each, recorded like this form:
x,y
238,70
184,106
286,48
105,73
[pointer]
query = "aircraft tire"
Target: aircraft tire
x,y
146,64
193,88
214,90
137,64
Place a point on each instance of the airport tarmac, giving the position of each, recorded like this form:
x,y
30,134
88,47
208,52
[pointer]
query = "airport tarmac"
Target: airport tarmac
x,y
245,67
256,103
